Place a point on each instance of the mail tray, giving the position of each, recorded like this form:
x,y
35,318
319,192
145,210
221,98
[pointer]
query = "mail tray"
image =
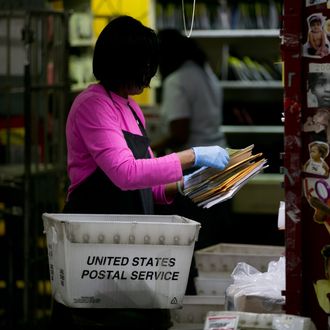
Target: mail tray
x,y
222,258
119,261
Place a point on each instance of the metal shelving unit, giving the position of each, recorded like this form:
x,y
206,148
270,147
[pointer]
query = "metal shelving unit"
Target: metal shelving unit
x,y
33,105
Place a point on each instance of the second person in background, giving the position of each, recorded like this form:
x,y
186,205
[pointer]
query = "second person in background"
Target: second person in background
x,y
192,100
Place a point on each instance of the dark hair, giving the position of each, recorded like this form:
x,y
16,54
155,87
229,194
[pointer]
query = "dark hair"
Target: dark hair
x,y
125,54
175,49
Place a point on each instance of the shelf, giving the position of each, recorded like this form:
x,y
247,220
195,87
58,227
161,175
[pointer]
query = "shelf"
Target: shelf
x,y
261,195
251,33
238,129
239,84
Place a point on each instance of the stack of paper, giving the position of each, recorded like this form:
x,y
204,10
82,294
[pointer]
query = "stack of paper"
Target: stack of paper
x,y
208,186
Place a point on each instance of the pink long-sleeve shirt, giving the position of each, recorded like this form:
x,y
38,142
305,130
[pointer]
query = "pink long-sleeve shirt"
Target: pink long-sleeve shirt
x,y
95,139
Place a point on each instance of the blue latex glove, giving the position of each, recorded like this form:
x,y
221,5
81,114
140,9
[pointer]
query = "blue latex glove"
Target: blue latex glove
x,y
213,156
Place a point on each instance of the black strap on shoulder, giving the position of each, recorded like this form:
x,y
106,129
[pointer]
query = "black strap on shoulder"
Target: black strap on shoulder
x,y
143,131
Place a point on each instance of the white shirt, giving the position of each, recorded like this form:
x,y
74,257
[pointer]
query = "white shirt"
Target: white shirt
x,y
193,93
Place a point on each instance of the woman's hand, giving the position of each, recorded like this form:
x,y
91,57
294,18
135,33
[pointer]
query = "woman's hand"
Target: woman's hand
x,y
213,156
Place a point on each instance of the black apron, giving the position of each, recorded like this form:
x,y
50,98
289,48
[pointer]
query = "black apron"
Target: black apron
x,y
98,195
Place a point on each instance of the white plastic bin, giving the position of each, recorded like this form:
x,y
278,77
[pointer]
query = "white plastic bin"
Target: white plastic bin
x,y
212,286
256,321
222,258
194,310
119,261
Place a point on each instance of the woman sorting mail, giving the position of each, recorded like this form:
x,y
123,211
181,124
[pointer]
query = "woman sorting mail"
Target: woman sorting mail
x,y
110,164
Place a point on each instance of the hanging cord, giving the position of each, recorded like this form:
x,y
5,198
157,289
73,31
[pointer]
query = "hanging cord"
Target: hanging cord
x,y
192,18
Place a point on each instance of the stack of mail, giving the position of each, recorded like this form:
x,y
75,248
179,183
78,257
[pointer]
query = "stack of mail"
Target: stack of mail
x,y
208,186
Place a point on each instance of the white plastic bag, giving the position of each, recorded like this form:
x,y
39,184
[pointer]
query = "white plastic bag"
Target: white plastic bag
x,y
257,292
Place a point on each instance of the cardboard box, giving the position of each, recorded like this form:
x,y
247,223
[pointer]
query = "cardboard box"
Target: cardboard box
x,y
254,303
119,261
221,259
